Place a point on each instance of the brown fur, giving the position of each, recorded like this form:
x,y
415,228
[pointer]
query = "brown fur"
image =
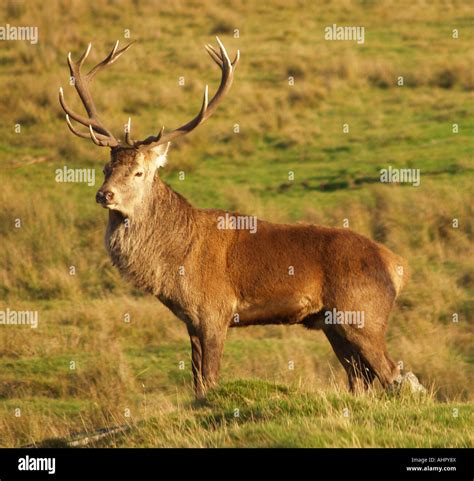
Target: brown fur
x,y
206,276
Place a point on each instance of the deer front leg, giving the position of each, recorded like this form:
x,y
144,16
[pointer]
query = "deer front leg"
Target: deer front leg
x,y
196,360
212,344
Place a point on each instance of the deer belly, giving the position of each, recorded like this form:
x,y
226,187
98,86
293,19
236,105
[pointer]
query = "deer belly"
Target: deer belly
x,y
290,310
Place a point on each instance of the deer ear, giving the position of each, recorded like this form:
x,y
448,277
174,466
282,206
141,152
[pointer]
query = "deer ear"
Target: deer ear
x,y
158,154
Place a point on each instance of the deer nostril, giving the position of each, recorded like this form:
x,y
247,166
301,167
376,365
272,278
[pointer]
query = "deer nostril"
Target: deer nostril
x,y
102,196
108,195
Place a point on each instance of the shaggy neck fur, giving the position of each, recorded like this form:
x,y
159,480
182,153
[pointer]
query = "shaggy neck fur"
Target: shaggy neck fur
x,y
149,247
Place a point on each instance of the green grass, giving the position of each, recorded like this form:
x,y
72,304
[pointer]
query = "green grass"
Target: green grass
x,y
249,413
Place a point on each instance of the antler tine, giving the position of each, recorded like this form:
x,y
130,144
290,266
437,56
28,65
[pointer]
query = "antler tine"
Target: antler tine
x,y
109,60
108,142
224,57
213,54
80,118
151,139
82,58
221,58
102,139
236,59
148,140
216,57
201,116
160,134
74,131
84,135
127,133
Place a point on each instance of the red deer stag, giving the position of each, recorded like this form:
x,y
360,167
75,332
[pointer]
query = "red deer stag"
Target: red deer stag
x,y
213,278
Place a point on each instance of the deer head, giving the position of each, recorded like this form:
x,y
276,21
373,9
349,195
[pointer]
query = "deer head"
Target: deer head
x,y
133,166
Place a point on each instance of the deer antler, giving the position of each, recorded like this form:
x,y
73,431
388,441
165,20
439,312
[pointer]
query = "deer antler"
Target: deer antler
x,y
103,137
97,131
207,108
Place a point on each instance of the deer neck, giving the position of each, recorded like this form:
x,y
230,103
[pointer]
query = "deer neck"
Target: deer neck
x,y
149,247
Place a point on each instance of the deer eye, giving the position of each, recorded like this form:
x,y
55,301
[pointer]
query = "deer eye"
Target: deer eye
x,y
138,174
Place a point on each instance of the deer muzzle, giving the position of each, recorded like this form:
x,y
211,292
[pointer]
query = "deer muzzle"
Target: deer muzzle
x,y
105,198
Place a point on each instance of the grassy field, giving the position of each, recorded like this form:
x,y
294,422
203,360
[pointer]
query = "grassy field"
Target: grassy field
x,y
85,368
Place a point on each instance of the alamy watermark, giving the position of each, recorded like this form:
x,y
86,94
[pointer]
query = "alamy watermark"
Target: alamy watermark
x,y
24,33
394,175
11,317
237,222
75,175
338,32
37,464
345,317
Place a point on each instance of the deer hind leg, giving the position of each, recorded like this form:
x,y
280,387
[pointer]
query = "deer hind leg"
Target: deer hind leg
x,y
359,373
370,356
369,341
384,367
